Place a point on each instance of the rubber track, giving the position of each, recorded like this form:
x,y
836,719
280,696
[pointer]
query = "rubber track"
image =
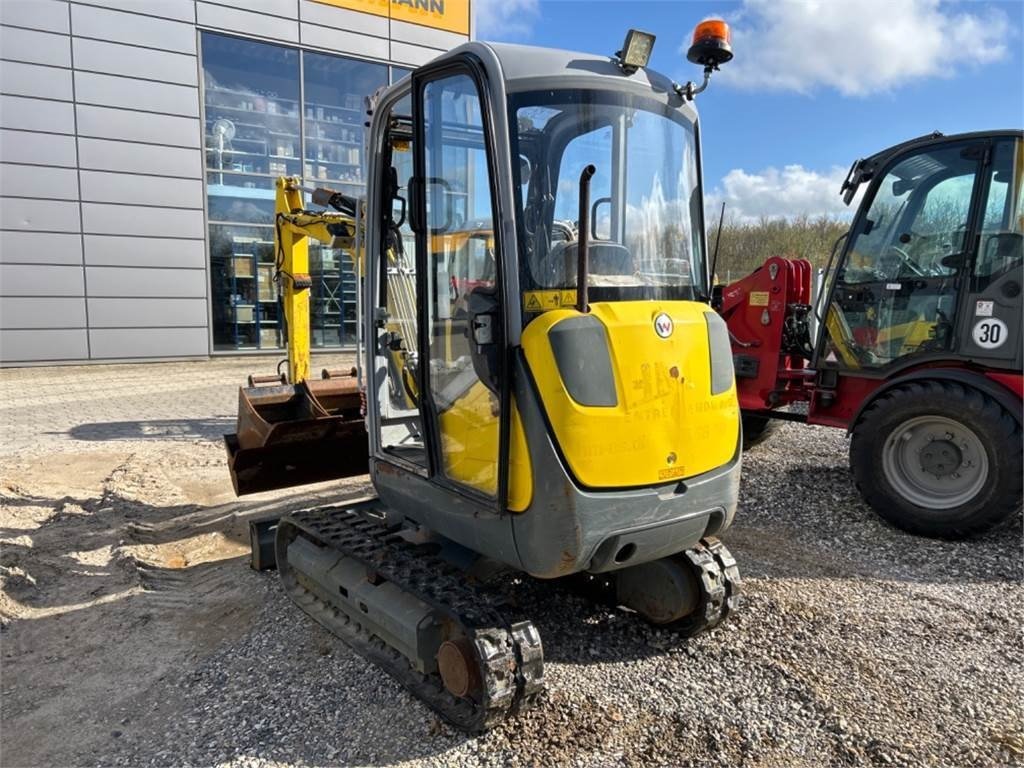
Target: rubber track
x,y
511,658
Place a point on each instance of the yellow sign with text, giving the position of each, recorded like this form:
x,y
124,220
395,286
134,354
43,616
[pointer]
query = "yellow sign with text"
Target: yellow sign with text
x,y
449,15
544,301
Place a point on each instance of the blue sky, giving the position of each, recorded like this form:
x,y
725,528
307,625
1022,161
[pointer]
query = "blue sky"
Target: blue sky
x,y
815,84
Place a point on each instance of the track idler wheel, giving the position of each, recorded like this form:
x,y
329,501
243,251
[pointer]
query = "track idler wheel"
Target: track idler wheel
x,y
687,593
459,667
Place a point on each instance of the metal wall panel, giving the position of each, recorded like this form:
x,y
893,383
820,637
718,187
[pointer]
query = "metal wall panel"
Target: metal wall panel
x,y
33,346
49,15
118,27
40,248
99,187
39,215
411,55
126,125
288,9
246,23
39,181
356,44
143,283
36,312
150,313
139,158
19,79
342,18
41,148
404,32
36,115
126,92
118,59
113,250
35,47
148,342
106,219
40,280
179,10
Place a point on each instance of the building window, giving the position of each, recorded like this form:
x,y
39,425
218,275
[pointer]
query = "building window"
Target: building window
x,y
270,111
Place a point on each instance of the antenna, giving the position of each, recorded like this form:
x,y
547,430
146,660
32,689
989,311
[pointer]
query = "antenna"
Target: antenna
x,y
718,239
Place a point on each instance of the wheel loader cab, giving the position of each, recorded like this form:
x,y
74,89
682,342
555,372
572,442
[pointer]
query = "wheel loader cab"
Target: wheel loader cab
x,y
552,429
932,270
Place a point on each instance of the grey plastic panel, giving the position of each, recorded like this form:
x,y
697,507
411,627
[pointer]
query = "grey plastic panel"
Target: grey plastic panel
x,y
148,342
131,282
35,47
101,187
132,313
178,10
35,80
40,280
40,248
42,148
580,347
117,59
32,346
39,215
359,45
37,312
342,18
39,181
722,374
49,15
116,91
104,24
102,218
246,23
113,250
101,122
140,158
414,55
404,32
36,115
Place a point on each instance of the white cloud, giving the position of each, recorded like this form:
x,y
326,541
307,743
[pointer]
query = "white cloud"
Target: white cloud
x,y
858,48
773,194
505,19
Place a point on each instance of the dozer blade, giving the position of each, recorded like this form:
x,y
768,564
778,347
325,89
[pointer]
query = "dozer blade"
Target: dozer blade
x,y
294,435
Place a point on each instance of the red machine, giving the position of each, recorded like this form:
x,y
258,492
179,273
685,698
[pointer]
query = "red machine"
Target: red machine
x,y
914,341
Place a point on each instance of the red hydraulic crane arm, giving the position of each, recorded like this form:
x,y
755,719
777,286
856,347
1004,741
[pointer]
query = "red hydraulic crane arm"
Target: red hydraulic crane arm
x,y
768,315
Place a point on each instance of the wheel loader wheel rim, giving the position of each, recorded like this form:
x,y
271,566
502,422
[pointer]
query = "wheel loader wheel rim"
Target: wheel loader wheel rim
x,y
935,462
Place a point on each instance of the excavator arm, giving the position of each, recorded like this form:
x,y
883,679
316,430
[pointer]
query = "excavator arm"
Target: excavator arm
x,y
300,430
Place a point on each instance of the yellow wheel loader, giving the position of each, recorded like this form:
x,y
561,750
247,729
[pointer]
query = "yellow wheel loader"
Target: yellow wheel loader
x,y
542,385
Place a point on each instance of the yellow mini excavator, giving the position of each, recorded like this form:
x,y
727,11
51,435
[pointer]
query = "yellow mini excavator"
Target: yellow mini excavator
x,y
542,385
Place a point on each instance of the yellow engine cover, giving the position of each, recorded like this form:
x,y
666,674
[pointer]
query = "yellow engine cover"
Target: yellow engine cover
x,y
666,425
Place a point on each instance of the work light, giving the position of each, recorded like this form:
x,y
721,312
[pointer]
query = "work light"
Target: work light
x,y
636,51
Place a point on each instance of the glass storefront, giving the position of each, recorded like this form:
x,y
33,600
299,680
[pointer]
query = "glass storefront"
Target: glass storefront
x,y
271,110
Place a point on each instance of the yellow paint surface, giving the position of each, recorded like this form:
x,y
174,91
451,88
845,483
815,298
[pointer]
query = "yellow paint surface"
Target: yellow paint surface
x,y
449,15
667,425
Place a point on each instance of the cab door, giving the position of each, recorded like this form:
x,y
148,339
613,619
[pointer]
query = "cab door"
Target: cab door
x,y
459,270
990,331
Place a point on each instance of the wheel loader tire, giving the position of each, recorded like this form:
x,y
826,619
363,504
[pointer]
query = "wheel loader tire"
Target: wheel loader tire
x,y
757,429
939,459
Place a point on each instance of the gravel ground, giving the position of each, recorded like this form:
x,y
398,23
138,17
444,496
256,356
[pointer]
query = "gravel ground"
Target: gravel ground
x,y
134,634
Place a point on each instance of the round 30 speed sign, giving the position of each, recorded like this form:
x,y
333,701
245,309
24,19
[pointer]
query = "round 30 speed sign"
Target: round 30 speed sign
x,y
989,333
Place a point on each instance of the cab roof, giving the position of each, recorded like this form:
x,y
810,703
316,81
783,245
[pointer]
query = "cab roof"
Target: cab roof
x,y
526,67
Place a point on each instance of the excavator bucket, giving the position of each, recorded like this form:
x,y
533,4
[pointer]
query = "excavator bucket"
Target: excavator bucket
x,y
294,435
